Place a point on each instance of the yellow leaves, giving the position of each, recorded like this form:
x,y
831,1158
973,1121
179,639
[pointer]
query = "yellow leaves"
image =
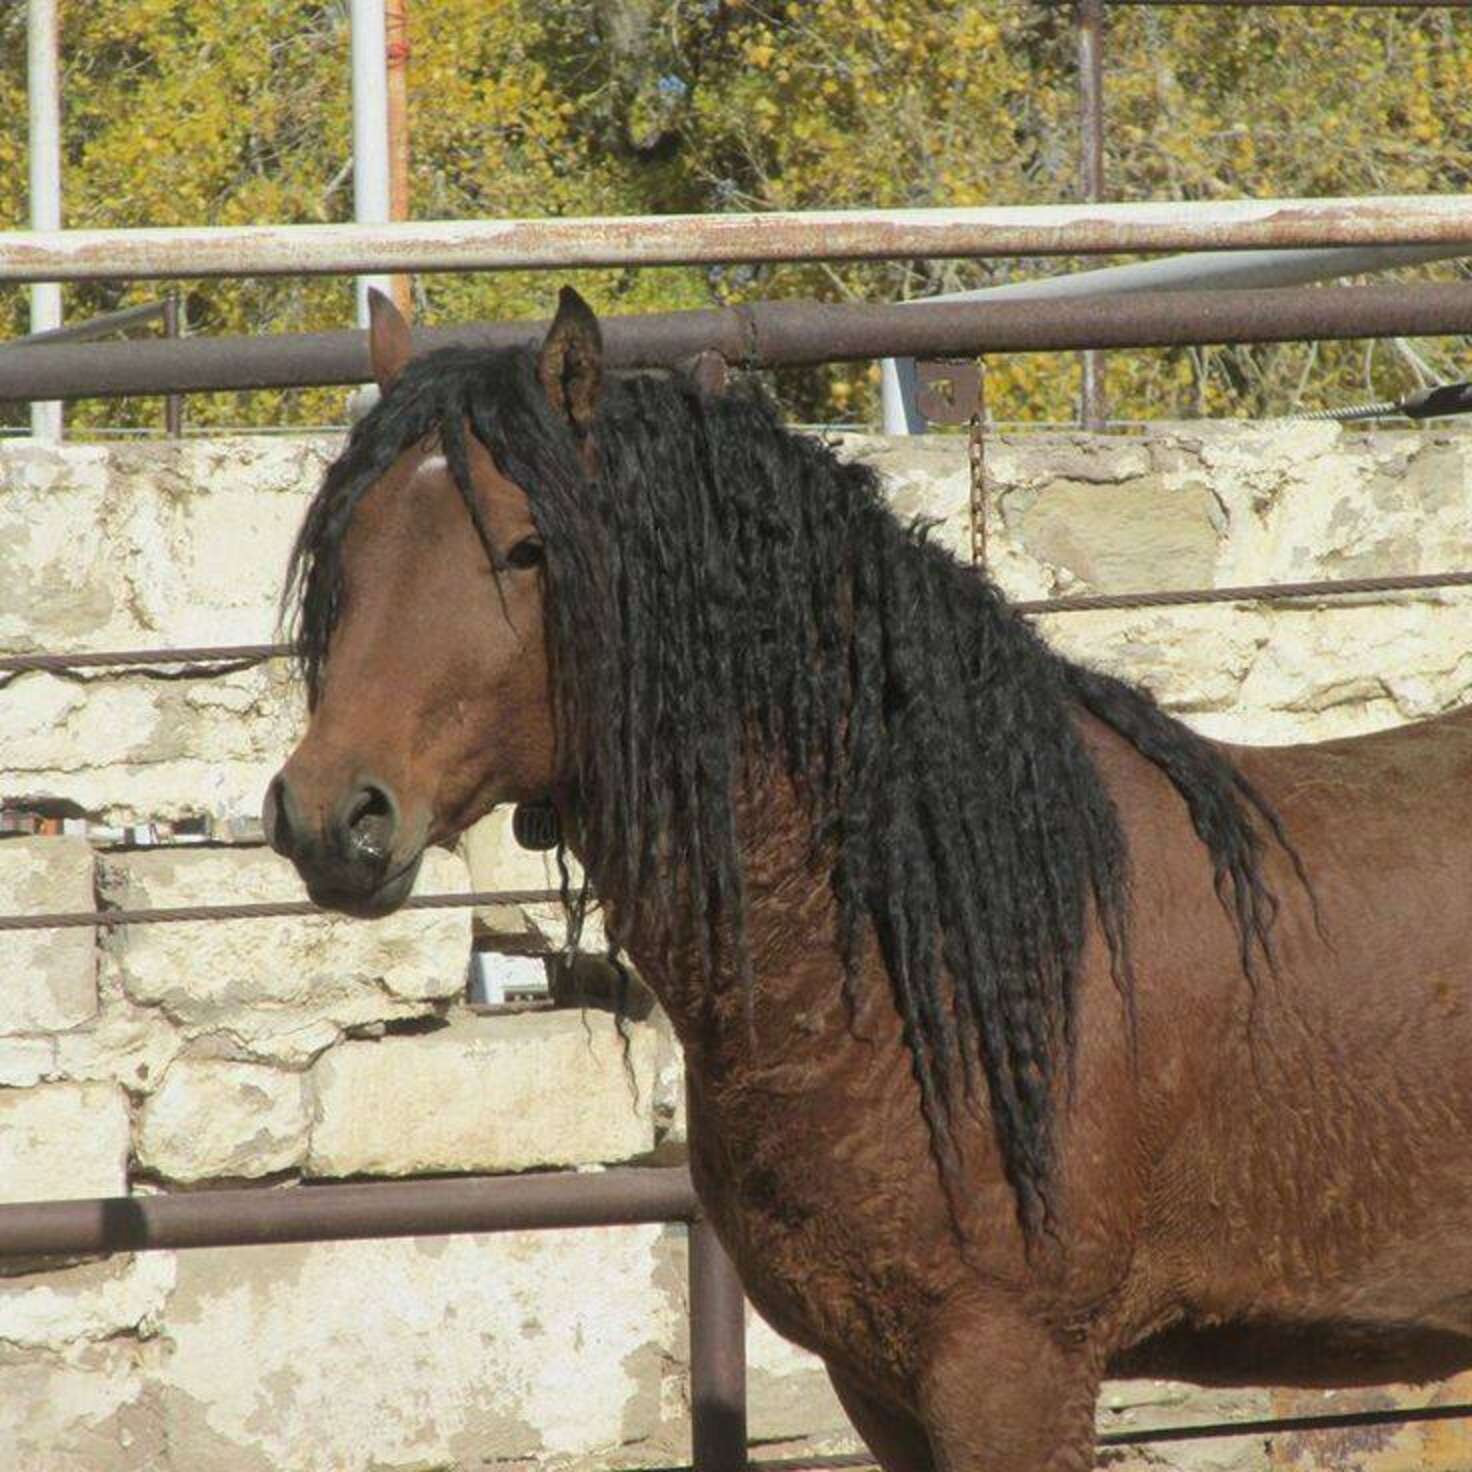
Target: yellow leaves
x,y
182,111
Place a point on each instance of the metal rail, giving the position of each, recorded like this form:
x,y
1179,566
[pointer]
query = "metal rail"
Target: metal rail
x,y
93,327
774,333
253,1218
670,240
1291,4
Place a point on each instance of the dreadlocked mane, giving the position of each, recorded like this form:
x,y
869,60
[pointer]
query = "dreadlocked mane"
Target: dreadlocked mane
x,y
724,581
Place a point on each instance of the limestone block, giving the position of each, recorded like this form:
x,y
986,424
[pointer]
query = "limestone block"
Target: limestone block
x,y
83,1409
927,477
48,979
789,1397
126,1044
120,1295
53,546
1122,537
126,545
1142,1405
1362,668
126,748
442,1352
213,1118
671,1123
500,1093
282,988
145,546
1191,659
26,1061
62,1142
1433,1446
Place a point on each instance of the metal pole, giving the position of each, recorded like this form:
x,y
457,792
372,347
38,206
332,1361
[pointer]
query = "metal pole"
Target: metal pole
x,y
1212,270
717,1355
1091,143
898,397
174,329
793,334
1297,4
370,131
1145,227
397,30
43,86
247,1218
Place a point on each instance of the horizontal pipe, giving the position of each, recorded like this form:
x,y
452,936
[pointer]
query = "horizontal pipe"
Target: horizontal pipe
x,y
1220,270
254,1218
93,327
668,240
1294,4
770,334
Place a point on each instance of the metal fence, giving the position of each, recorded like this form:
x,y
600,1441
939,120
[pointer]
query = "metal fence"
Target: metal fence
x,y
747,336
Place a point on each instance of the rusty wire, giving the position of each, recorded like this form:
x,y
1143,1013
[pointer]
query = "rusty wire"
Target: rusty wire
x,y
1258,593
1265,1426
264,910
242,655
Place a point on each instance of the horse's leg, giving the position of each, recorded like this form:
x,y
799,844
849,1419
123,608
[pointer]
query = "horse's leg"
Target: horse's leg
x,y
896,1441
1002,1395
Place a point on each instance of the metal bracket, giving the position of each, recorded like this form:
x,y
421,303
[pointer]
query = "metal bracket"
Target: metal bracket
x,y
948,391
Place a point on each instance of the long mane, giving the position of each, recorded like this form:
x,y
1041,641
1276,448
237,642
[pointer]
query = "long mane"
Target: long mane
x,y
725,583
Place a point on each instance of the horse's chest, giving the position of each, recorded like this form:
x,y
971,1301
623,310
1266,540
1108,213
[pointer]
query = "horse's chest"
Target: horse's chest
x,y
820,1243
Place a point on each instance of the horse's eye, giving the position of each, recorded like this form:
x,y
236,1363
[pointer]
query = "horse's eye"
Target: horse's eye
x,y
527,553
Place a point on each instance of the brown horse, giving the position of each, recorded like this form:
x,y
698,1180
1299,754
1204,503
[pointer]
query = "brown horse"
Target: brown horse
x,y
1031,1037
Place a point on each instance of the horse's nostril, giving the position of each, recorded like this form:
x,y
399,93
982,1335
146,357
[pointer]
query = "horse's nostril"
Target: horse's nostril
x,y
369,822
276,820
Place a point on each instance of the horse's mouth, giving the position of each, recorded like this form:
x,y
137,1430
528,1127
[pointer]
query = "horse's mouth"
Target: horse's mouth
x,y
370,903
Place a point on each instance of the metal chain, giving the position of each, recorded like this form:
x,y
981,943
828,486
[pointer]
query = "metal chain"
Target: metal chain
x,y
976,457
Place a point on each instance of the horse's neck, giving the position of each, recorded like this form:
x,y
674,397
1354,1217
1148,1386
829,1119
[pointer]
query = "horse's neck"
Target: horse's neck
x,y
790,939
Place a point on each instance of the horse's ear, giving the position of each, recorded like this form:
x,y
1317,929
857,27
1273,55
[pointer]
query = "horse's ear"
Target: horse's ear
x,y
570,364
389,344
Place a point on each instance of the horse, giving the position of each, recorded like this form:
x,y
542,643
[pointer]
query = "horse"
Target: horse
x,y
1032,1038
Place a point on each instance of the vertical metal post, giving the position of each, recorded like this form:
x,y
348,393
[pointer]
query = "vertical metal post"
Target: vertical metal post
x,y
397,57
897,389
43,87
1091,137
370,131
174,327
717,1355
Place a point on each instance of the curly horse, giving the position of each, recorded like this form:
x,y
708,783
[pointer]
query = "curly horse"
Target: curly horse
x,y
1031,1037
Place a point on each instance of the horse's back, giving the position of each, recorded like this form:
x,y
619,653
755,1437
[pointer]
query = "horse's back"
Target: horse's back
x,y
1313,1202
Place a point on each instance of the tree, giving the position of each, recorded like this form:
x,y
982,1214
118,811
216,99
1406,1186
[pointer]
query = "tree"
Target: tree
x,y
188,112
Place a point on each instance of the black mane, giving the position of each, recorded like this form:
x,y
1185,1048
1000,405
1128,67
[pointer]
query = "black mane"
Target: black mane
x,y
726,579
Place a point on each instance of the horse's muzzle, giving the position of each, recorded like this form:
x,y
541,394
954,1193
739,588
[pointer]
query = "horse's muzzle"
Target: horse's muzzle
x,y
352,860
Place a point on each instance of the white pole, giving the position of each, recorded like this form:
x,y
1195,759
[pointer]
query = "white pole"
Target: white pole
x,y
43,85
370,131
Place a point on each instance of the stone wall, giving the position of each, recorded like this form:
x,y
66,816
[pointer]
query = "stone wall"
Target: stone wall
x,y
278,1051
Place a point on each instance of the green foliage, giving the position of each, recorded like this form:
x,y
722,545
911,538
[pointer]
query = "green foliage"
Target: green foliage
x,y
197,112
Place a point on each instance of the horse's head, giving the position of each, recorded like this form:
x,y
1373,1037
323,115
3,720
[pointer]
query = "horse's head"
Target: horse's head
x,y
420,577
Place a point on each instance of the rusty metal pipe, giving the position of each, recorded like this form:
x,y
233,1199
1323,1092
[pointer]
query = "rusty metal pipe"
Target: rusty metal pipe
x,y
246,1218
118,321
717,1355
772,333
669,240
1296,4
